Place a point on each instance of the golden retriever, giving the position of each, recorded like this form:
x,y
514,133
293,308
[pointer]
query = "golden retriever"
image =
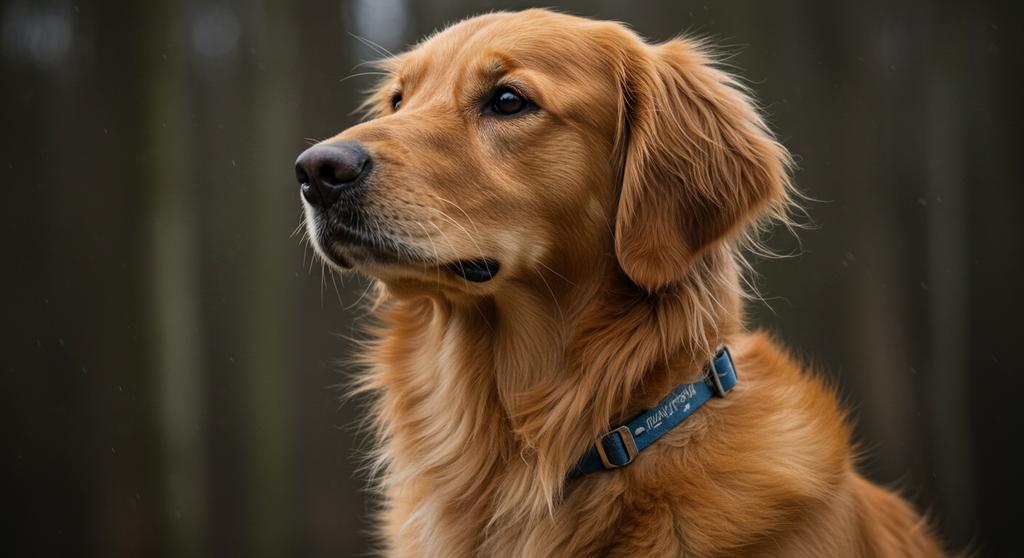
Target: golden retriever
x,y
555,213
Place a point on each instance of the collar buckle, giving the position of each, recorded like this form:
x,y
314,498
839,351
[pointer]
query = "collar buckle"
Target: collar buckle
x,y
712,373
628,442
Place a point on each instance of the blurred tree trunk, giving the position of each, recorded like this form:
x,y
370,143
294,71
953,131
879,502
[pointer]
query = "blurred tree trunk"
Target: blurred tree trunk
x,y
174,282
275,117
947,206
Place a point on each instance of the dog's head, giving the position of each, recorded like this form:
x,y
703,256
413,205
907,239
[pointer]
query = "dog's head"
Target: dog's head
x,y
513,142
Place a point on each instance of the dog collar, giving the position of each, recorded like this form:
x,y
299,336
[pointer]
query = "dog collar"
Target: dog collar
x,y
620,446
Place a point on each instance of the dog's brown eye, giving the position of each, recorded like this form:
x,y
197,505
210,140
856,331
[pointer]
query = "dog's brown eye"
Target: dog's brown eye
x,y
396,101
508,102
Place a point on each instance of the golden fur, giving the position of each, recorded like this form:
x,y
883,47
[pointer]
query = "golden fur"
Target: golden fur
x,y
618,209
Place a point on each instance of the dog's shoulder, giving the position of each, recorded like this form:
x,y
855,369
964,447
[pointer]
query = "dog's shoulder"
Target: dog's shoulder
x,y
781,411
770,454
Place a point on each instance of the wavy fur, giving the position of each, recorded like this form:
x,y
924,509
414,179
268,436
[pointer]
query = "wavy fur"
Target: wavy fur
x,y
621,209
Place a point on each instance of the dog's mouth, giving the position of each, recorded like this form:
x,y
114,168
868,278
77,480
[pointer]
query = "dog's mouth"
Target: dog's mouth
x,y
348,246
477,271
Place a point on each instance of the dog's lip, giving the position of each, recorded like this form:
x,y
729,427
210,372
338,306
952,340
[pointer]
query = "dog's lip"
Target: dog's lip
x,y
351,236
478,270
350,245
340,240
343,261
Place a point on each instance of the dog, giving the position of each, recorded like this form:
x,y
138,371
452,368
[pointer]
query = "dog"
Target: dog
x,y
555,214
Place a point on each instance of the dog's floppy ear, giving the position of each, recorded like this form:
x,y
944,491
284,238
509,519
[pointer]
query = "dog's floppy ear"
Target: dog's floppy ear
x,y
700,164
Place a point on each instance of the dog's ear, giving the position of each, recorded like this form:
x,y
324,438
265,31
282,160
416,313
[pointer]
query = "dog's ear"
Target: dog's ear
x,y
699,163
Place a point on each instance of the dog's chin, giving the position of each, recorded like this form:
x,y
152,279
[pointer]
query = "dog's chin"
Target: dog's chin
x,y
378,263
460,274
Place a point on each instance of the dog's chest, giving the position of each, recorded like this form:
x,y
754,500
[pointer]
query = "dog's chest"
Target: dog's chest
x,y
459,532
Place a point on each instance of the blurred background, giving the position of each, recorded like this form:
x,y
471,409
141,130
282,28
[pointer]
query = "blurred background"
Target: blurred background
x,y
171,355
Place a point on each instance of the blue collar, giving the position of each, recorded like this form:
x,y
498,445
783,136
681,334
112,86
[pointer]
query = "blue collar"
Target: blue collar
x,y
620,446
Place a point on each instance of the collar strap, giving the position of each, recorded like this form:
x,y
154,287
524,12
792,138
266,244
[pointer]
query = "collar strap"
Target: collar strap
x,y
620,446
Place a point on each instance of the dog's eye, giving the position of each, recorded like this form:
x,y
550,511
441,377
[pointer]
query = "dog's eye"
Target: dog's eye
x,y
508,102
396,101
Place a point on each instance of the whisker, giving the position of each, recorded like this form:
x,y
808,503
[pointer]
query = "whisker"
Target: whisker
x,y
459,263
554,299
380,50
304,242
559,275
356,303
468,235
337,293
321,283
300,226
312,259
437,258
360,74
483,317
364,63
459,207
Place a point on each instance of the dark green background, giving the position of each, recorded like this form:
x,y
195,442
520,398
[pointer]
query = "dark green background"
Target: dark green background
x,y
169,354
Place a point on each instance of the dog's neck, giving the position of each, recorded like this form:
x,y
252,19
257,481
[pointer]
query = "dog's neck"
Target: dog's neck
x,y
506,393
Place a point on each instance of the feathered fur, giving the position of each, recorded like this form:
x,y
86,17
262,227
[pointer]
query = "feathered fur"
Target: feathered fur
x,y
620,209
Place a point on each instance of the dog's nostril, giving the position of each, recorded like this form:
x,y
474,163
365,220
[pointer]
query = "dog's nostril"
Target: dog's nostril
x,y
342,172
335,176
301,175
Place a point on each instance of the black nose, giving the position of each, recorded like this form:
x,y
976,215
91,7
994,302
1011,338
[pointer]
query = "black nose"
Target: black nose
x,y
325,170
